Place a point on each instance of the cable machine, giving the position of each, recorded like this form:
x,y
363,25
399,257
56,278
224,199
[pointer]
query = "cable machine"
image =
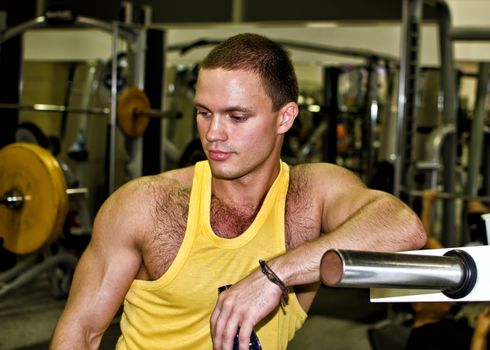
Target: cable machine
x,y
404,186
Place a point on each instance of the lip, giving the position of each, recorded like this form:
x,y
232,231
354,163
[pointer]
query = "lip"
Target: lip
x,y
218,155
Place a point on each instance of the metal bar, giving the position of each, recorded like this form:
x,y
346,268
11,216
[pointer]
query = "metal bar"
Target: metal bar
x,y
18,268
77,191
341,51
113,116
369,123
470,34
322,49
163,125
486,165
136,52
448,87
81,21
43,107
476,136
407,88
156,113
237,11
451,195
61,259
348,268
13,197
21,28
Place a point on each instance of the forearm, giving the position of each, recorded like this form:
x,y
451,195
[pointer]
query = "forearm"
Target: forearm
x,y
92,303
482,328
381,225
73,337
478,342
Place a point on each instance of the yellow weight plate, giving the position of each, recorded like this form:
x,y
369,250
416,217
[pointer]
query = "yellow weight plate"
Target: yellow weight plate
x,y
60,184
34,172
130,100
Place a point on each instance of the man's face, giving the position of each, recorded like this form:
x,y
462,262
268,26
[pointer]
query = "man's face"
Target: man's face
x,y
236,123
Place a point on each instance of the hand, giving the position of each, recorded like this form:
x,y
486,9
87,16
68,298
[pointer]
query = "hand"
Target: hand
x,y
242,306
429,196
482,323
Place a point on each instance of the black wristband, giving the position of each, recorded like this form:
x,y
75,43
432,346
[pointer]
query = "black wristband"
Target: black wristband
x,y
271,276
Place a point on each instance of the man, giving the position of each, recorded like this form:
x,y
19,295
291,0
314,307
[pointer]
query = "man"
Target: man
x,y
165,244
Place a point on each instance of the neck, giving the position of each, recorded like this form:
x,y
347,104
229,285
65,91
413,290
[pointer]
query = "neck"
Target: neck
x,y
249,190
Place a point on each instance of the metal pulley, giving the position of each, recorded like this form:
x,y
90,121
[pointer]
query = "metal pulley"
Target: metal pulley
x,y
34,200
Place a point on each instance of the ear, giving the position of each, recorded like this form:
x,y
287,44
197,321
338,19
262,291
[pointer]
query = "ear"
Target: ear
x,y
287,115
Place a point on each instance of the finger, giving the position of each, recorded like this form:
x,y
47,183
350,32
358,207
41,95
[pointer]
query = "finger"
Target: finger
x,y
221,323
230,330
216,313
246,329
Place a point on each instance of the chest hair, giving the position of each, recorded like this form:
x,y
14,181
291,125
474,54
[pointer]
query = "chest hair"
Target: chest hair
x,y
231,221
170,215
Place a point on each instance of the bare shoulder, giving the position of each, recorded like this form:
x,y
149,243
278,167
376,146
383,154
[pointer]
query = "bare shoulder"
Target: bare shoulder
x,y
325,182
180,177
325,174
132,206
316,191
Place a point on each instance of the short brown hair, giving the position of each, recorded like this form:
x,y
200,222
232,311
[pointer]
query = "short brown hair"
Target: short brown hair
x,y
256,53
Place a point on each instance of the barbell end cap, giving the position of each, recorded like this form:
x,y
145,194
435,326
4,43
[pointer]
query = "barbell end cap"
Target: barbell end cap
x,y
331,268
469,278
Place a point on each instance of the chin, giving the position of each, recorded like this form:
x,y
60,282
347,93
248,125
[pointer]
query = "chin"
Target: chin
x,y
224,172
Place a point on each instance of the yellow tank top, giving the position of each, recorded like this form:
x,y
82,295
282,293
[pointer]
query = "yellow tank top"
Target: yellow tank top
x,y
173,312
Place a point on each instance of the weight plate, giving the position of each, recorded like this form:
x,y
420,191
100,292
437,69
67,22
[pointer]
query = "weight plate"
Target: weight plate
x,y
132,99
34,172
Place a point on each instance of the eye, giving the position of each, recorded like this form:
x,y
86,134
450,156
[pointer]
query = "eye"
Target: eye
x,y
200,112
238,118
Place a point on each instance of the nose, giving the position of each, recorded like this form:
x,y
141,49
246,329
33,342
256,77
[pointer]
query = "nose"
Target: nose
x,y
216,130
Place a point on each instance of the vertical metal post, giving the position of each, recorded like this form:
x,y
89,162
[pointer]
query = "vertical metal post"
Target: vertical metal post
x,y
476,138
370,121
409,69
237,7
113,120
126,12
486,165
162,139
134,146
448,85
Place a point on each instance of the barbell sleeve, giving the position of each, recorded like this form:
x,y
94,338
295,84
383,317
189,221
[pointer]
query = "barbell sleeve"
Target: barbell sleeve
x,y
454,273
14,199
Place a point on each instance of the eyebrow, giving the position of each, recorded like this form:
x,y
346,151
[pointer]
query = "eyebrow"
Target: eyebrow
x,y
228,109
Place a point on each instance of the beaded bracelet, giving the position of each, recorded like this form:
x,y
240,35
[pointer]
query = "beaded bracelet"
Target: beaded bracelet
x,y
266,270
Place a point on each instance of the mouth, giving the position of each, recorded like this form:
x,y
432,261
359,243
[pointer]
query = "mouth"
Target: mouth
x,y
218,155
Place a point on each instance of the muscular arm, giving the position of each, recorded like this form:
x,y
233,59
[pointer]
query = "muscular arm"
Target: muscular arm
x,y
352,216
103,275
